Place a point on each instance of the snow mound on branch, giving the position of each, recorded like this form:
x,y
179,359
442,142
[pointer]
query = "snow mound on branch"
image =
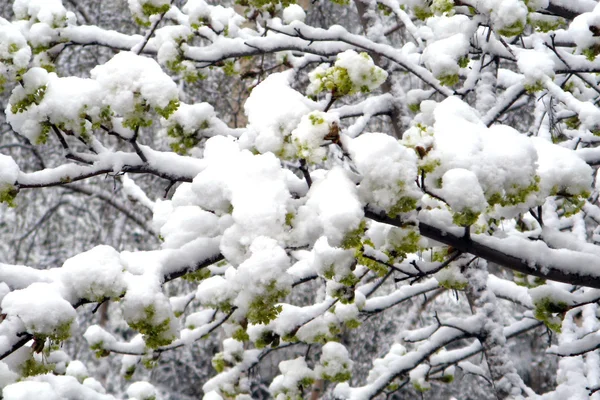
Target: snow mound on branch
x,y
9,171
252,188
274,109
389,169
332,209
127,74
462,191
93,275
42,309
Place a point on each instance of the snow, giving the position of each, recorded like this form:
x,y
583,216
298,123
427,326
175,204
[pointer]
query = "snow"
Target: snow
x,y
93,275
141,391
293,12
30,390
9,171
77,369
127,74
274,109
388,169
334,360
292,373
332,209
461,189
41,308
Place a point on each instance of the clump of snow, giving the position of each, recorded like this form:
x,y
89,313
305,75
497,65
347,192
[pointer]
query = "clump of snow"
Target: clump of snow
x,y
146,308
94,385
504,161
7,376
77,369
329,260
351,73
535,64
187,223
141,391
449,42
42,309
14,51
580,31
46,98
93,275
127,74
332,209
310,134
462,191
293,12
295,375
259,278
274,109
418,378
388,170
335,363
9,171
51,13
561,170
249,187
168,40
27,390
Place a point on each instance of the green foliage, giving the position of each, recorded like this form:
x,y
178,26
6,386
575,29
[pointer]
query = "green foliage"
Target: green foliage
x,y
403,241
514,29
263,308
139,118
155,334
353,239
341,376
315,119
8,193
420,388
527,281
453,284
353,323
550,312
442,6
241,335
150,9
267,338
385,9
197,276
449,80
415,107
516,195
465,218
403,205
422,13
345,294
377,267
229,68
99,350
129,372
463,62
263,3
169,109
548,24
573,122
537,86
591,52
289,219
29,99
32,368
